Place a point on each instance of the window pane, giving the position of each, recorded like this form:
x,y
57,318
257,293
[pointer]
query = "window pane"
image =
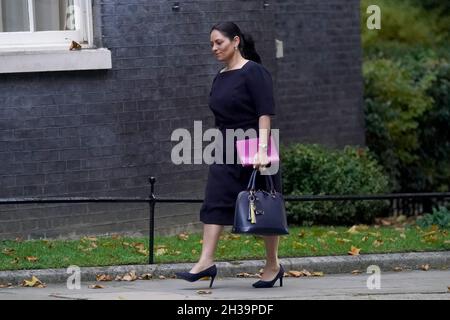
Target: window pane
x,y
14,15
54,15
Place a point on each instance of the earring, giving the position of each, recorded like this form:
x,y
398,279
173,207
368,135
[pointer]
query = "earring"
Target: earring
x,y
235,48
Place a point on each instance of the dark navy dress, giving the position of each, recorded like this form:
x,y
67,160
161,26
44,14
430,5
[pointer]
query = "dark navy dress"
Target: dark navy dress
x,y
237,99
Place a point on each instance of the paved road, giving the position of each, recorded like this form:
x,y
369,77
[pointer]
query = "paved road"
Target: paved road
x,y
430,284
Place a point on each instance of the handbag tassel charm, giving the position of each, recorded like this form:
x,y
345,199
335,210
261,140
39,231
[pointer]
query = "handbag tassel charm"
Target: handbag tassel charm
x,y
252,212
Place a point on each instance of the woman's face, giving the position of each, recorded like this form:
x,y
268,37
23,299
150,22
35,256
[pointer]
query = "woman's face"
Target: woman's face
x,y
221,46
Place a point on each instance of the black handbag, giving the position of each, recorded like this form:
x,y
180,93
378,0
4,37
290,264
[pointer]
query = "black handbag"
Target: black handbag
x,y
260,212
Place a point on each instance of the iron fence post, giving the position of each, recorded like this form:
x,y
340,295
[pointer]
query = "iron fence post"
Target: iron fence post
x,y
152,221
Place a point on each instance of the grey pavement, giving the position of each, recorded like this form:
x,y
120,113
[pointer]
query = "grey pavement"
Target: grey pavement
x,y
432,284
328,264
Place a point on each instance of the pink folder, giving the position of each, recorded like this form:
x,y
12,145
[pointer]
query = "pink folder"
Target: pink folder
x,y
247,148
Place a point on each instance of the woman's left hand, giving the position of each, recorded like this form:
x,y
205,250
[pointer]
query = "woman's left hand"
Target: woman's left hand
x,y
260,160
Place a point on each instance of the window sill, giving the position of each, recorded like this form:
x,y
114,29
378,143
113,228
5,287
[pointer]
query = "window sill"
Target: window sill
x,y
53,59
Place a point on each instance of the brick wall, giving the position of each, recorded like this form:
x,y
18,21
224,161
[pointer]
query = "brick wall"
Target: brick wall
x,y
103,133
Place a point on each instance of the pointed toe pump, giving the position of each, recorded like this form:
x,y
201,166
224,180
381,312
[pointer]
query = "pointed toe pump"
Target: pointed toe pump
x,y
269,284
191,277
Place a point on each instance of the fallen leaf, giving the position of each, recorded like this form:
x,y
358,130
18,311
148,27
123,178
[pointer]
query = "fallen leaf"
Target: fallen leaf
x,y
204,291
143,252
297,245
139,245
332,233
8,251
306,273
303,273
402,235
146,276
301,234
342,241
429,233
130,276
354,251
103,277
162,277
8,285
89,239
161,251
194,251
365,238
296,274
425,267
96,286
183,236
432,238
32,259
398,269
247,275
34,282
377,243
353,230
356,271
116,237
317,274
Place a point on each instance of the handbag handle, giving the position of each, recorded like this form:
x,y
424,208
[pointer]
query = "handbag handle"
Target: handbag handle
x,y
252,182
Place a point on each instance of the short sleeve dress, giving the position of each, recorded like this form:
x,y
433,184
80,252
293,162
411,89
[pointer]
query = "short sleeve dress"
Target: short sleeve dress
x,y
237,99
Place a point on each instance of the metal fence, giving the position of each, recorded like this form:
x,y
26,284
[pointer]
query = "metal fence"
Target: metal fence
x,y
400,203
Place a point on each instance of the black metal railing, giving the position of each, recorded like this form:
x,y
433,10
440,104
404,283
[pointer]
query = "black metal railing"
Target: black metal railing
x,y
404,203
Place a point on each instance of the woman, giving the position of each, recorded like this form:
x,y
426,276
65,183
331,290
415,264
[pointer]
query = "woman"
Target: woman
x,y
241,97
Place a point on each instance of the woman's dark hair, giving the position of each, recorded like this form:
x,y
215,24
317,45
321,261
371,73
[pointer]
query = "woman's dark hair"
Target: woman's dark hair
x,y
246,45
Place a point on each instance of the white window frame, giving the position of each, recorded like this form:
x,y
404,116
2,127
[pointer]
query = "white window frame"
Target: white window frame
x,y
46,51
40,39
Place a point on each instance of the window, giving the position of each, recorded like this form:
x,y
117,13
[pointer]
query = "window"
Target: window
x,y
41,23
35,36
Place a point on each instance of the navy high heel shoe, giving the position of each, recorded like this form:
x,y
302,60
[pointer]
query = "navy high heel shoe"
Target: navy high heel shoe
x,y
191,277
269,284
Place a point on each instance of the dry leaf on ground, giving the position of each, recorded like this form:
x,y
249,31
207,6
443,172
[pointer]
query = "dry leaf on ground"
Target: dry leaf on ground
x,y
425,267
33,282
204,291
146,276
32,259
103,277
354,251
183,236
